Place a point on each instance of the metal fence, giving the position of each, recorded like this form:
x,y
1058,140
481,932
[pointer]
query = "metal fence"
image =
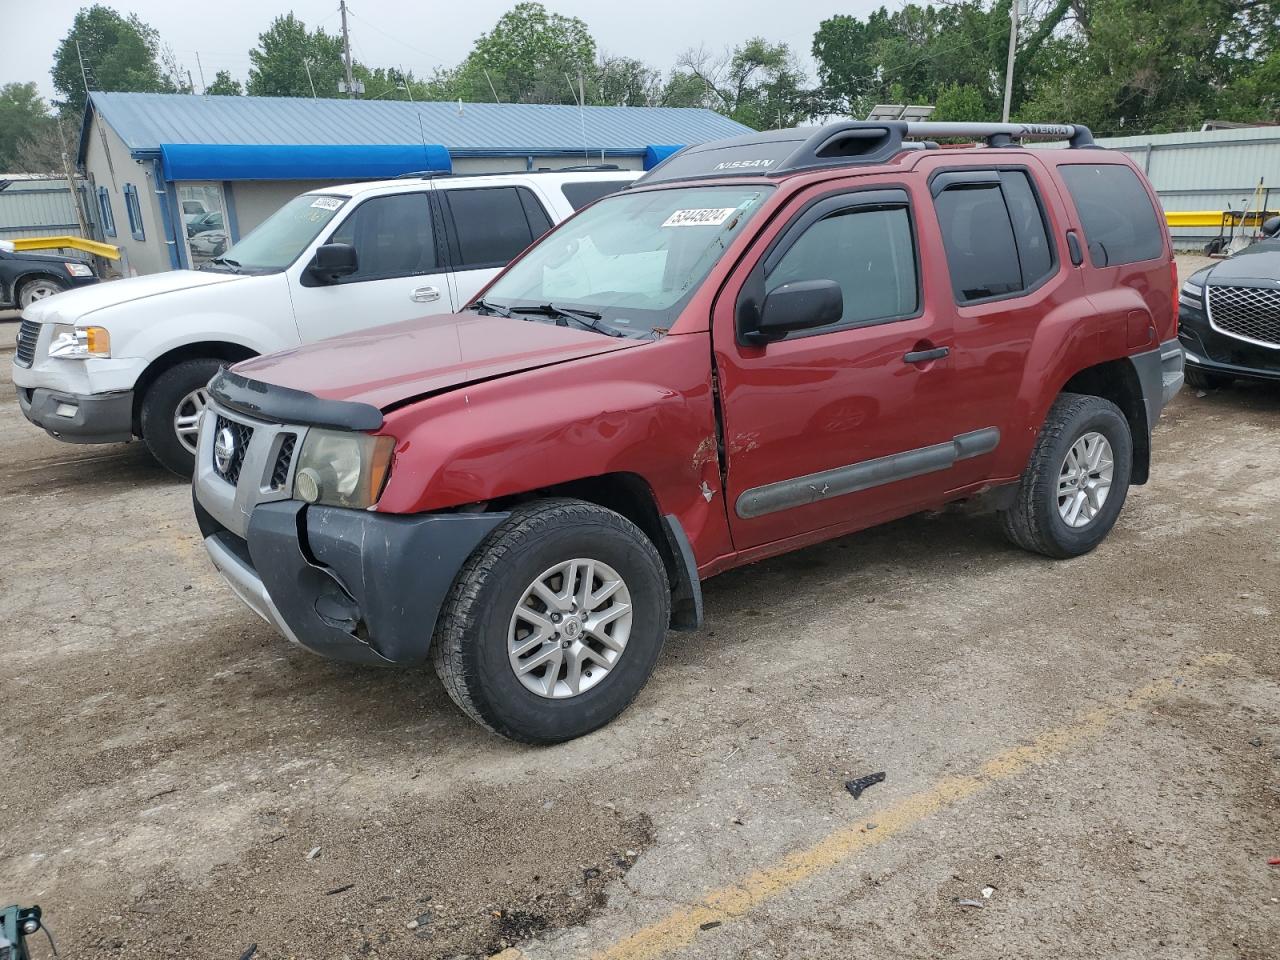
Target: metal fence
x,y
40,208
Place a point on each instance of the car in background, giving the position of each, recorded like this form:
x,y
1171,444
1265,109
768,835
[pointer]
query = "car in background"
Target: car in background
x,y
204,223
1229,316
133,358
28,277
208,243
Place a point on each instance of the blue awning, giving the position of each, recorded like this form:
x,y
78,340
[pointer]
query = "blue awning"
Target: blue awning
x,y
253,161
654,155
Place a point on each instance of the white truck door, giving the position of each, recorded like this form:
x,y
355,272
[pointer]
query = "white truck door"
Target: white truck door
x,y
488,227
400,270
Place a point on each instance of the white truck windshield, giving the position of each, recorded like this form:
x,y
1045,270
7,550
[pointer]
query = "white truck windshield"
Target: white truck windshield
x,y
280,239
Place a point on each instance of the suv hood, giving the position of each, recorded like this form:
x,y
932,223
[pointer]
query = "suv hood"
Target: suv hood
x,y
72,305
388,365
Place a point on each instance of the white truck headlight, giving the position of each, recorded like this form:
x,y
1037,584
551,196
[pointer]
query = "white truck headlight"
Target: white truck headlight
x,y
73,343
341,468
79,269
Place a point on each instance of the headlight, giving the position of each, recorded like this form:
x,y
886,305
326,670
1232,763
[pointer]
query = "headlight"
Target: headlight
x,y
1191,295
79,342
342,469
79,269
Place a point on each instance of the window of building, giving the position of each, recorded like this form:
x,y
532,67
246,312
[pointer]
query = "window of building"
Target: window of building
x,y
105,213
134,209
869,252
1119,221
494,224
392,236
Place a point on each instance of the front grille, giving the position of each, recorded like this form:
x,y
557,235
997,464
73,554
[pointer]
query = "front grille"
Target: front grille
x,y
284,458
1252,313
227,464
28,334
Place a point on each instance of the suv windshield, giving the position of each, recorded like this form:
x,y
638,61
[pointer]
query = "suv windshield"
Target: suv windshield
x,y
632,259
280,239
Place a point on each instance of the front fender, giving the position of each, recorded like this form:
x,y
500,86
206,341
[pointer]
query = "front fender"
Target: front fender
x,y
646,411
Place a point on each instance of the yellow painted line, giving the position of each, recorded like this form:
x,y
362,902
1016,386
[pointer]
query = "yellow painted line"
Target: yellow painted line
x,y
678,928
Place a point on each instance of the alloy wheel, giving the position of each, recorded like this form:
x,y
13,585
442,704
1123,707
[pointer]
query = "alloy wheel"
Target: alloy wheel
x,y
570,628
186,418
1084,482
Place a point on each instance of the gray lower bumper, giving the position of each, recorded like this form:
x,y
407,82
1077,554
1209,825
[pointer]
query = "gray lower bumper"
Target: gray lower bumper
x,y
1160,373
100,418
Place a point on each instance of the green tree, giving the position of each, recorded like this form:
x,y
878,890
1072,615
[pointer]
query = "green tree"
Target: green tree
x,y
291,61
758,83
120,53
530,56
223,86
960,102
24,119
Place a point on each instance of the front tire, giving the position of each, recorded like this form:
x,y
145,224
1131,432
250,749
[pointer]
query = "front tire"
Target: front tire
x,y
38,289
555,622
1076,481
171,411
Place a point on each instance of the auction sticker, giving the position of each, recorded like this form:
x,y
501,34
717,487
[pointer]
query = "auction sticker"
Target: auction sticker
x,y
701,217
327,203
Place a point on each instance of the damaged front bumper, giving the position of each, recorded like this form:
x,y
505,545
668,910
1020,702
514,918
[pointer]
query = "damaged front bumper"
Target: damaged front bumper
x,y
347,584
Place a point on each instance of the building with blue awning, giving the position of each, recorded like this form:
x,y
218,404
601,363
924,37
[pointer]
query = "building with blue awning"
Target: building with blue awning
x,y
164,169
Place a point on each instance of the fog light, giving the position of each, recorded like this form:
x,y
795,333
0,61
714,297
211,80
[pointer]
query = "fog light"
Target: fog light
x,y
65,410
307,484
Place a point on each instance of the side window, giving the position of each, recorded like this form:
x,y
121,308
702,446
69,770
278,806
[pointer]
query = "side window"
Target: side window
x,y
1120,224
870,252
494,224
108,216
134,209
978,238
393,237
589,191
1030,230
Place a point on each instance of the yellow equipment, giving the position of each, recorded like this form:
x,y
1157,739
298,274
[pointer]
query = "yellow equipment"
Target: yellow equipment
x,y
110,251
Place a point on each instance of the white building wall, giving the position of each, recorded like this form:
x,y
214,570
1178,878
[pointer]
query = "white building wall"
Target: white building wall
x,y
109,165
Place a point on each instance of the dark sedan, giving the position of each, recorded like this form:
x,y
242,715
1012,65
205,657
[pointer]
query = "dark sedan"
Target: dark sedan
x,y
1229,316
27,277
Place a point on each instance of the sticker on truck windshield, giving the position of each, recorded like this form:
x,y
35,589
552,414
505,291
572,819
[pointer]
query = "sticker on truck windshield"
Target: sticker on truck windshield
x,y
327,203
701,217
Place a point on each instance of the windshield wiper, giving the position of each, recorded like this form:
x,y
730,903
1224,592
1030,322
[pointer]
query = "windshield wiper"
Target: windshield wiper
x,y
585,318
233,264
497,308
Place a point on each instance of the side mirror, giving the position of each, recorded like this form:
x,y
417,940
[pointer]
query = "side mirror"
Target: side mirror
x,y
332,262
798,306
1271,226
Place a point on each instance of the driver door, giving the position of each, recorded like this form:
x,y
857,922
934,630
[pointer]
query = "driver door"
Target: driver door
x,y
401,272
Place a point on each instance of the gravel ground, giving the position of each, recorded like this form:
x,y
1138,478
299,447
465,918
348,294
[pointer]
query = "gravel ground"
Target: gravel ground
x,y
185,784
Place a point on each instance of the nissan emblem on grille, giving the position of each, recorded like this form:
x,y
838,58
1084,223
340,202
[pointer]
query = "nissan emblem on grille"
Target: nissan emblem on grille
x,y
224,450
1249,313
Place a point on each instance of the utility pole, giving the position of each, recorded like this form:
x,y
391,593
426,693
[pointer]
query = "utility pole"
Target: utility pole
x,y
200,67
346,48
1013,49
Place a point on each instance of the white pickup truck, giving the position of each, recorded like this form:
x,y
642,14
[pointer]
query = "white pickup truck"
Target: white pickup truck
x,y
131,358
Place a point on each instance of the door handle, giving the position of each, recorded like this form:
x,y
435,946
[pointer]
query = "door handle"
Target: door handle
x,y
425,295
924,356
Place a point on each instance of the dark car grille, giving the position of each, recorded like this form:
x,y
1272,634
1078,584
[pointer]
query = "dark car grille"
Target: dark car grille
x,y
241,435
1250,312
284,458
28,334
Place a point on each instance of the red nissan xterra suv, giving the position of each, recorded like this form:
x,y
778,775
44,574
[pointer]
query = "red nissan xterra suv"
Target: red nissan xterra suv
x,y
764,343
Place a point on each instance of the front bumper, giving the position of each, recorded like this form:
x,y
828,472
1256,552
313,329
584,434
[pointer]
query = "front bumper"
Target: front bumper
x,y
1210,350
98,418
347,584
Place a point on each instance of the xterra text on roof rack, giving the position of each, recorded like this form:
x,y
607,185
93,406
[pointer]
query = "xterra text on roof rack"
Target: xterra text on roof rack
x,y
764,343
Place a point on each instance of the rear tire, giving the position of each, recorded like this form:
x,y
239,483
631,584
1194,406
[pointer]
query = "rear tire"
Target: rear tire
x,y
1067,501
38,289
496,618
170,408
1199,379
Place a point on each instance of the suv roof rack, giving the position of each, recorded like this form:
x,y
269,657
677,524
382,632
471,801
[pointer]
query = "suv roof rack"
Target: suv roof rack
x,y
845,143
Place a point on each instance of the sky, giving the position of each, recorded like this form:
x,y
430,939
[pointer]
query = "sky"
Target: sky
x,y
415,36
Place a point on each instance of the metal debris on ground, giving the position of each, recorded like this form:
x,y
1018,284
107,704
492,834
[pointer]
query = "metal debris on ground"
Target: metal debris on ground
x,y
315,852
969,903
336,890
855,787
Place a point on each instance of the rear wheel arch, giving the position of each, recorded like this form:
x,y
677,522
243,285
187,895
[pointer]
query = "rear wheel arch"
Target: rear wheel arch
x,y
1117,381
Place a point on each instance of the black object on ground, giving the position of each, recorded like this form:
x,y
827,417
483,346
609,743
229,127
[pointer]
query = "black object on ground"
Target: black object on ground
x,y
855,787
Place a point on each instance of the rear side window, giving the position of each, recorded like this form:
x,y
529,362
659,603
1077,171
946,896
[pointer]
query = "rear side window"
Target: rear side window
x,y
493,224
869,252
1120,224
589,191
995,235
